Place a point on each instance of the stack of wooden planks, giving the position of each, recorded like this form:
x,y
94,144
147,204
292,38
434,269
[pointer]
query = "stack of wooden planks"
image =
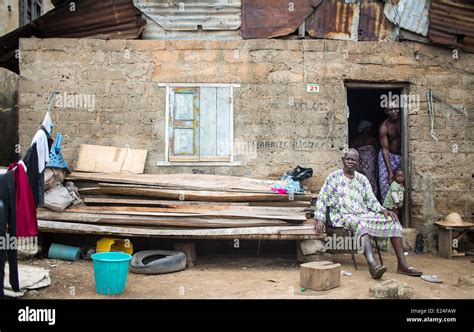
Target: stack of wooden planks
x,y
191,206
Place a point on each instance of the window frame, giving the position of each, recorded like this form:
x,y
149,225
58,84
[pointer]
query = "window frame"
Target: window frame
x,y
203,161
34,6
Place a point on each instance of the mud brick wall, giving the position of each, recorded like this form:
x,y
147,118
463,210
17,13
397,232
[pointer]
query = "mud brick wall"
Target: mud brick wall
x,y
271,106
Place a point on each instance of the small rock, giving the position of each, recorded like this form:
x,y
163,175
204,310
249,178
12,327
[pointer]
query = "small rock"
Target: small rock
x,y
467,281
391,289
311,247
53,265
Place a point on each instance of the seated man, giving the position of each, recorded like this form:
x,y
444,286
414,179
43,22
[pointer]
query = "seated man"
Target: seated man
x,y
353,205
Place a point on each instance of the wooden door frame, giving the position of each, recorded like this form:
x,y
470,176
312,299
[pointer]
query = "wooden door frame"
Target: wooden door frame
x,y
404,88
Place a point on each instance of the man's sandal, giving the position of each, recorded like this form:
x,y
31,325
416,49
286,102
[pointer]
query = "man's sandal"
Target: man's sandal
x,y
411,272
378,271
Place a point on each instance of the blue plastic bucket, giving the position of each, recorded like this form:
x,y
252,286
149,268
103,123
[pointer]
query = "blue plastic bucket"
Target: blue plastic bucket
x,y
110,272
60,251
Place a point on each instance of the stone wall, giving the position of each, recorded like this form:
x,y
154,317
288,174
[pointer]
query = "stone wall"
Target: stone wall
x,y
271,106
8,116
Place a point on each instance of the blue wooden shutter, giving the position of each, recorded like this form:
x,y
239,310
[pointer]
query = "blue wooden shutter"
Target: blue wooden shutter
x,y
184,124
214,124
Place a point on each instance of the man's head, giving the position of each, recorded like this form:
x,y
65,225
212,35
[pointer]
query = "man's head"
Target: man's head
x,y
350,159
364,127
399,176
392,112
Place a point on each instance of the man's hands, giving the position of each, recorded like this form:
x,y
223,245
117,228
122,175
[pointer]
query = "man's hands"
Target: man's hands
x,y
319,227
387,214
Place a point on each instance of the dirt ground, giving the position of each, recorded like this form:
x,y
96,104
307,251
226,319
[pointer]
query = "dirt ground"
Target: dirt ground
x,y
256,277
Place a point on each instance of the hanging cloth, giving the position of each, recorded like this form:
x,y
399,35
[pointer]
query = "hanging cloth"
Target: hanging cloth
x,y
8,226
26,222
42,150
37,187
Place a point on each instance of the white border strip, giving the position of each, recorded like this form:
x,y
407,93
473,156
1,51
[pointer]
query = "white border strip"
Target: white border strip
x,y
188,85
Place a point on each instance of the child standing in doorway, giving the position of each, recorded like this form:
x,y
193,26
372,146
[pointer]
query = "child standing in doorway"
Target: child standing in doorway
x,y
394,199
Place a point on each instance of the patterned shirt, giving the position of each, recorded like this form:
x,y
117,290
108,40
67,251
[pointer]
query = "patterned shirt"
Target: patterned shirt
x,y
344,196
397,188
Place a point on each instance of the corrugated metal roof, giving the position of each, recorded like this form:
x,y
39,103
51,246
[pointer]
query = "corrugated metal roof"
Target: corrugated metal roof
x,y
452,24
373,25
334,19
411,15
185,19
274,18
106,19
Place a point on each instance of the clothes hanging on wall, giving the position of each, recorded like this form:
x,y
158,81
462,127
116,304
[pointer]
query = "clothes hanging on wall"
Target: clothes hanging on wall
x,y
34,177
8,226
41,140
47,123
48,137
26,222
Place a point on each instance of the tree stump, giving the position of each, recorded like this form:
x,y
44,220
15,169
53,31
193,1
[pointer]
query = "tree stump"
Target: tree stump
x,y
320,276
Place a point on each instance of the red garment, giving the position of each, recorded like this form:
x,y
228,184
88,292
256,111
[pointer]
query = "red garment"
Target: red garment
x,y
26,222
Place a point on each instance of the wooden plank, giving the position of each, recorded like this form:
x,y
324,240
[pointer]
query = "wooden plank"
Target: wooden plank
x,y
282,204
223,122
152,202
184,195
250,233
126,185
204,208
156,222
97,158
181,213
208,122
203,181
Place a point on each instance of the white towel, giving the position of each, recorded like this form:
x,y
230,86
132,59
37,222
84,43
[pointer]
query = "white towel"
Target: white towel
x,y
47,123
42,149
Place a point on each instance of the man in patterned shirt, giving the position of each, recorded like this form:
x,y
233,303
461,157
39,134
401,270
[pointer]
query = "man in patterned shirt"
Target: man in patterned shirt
x,y
348,197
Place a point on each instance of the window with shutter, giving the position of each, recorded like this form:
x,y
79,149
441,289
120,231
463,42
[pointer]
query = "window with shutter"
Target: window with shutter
x,y
200,123
30,10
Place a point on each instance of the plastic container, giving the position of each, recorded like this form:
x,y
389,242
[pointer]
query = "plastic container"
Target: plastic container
x,y
107,244
60,251
110,272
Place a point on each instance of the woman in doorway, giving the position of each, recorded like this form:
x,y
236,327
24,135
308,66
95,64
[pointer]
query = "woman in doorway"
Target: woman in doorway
x,y
367,146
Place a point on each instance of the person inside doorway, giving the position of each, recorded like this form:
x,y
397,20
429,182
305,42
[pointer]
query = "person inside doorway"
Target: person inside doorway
x,y
389,158
348,199
367,146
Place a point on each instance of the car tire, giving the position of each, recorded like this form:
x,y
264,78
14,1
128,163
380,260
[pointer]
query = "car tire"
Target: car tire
x,y
158,262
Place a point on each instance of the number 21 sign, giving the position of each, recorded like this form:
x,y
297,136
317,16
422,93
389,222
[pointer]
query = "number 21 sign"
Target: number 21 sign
x,y
312,88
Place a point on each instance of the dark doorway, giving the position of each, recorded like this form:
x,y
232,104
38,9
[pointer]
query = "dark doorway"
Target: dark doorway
x,y
364,102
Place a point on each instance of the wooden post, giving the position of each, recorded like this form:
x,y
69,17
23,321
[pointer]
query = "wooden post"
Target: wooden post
x,y
445,243
320,275
189,248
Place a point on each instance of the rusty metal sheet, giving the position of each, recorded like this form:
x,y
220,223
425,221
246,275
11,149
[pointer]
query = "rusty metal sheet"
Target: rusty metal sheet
x,y
452,24
106,19
273,18
411,15
191,19
334,19
373,25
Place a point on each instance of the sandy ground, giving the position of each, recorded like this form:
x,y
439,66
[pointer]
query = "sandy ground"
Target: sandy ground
x,y
255,277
